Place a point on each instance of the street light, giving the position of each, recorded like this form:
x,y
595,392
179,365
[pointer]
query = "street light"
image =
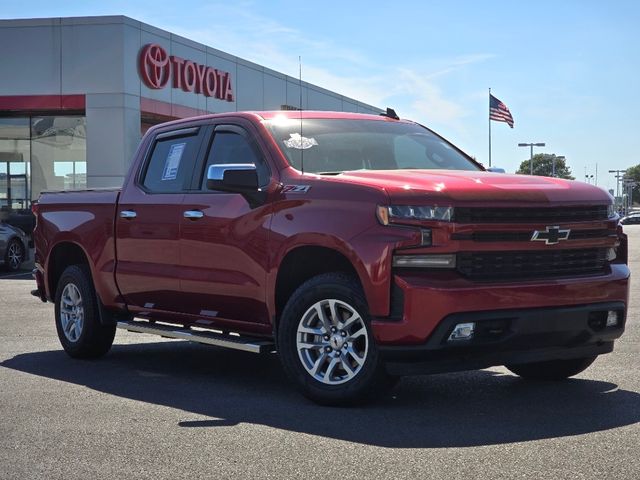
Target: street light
x,y
618,174
531,159
627,186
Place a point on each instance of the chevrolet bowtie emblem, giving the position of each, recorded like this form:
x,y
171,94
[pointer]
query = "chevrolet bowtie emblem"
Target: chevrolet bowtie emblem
x,y
551,235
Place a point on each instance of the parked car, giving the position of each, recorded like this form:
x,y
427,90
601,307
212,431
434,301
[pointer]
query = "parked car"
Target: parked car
x,y
14,247
358,247
631,219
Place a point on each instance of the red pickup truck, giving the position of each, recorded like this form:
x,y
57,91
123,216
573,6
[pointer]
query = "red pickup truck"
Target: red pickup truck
x,y
359,247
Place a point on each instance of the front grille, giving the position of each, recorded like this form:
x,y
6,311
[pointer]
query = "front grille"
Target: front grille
x,y
526,236
548,215
531,264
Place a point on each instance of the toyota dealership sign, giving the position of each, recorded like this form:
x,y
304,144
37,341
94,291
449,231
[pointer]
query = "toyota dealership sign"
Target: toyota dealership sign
x,y
157,69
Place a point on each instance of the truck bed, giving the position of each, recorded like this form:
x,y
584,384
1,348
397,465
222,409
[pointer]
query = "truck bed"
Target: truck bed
x,y
85,218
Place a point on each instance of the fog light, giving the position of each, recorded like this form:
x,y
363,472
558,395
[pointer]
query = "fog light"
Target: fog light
x,y
462,331
612,318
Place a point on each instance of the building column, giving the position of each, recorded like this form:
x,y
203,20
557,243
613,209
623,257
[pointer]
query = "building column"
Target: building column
x,y
113,134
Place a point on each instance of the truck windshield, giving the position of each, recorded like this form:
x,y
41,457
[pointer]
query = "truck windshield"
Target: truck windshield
x,y
333,146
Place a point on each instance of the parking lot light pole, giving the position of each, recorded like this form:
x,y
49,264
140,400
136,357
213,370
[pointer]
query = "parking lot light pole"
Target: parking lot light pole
x,y
531,145
618,174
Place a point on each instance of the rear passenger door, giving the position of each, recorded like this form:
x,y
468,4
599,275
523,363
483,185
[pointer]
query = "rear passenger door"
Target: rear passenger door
x,y
148,223
223,239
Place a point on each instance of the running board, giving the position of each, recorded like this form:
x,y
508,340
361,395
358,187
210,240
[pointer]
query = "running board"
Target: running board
x,y
246,344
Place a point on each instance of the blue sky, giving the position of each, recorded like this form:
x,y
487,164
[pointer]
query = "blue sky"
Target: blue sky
x,y
569,71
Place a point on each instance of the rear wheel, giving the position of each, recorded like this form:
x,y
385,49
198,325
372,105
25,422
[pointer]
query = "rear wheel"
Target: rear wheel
x,y
325,342
552,370
14,256
80,331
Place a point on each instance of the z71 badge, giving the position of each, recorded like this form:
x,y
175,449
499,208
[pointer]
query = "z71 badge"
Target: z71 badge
x,y
296,188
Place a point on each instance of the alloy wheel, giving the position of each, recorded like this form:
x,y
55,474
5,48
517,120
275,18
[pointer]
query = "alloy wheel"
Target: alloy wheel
x,y
332,341
14,255
71,312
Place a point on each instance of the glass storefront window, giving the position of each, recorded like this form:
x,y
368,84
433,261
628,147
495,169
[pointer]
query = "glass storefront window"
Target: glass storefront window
x,y
58,153
15,153
39,153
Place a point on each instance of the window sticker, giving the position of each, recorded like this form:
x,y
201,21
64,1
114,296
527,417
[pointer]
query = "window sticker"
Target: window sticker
x,y
172,163
300,143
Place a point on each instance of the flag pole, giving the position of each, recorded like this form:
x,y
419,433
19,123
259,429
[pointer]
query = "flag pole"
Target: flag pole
x,y
489,126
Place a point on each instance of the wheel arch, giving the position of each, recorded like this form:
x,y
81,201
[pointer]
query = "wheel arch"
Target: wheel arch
x,y
304,262
64,254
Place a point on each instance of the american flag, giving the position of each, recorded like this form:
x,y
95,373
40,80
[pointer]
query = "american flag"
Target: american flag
x,y
499,112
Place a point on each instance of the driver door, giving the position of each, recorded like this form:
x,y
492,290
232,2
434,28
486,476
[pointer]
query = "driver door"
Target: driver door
x,y
223,240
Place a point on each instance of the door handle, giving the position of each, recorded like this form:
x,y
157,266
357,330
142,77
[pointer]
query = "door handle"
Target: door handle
x,y
128,214
193,214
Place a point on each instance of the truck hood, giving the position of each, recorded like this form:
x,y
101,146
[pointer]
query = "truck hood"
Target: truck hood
x,y
460,187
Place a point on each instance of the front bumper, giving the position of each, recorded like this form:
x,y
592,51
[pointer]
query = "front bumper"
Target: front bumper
x,y
511,337
427,299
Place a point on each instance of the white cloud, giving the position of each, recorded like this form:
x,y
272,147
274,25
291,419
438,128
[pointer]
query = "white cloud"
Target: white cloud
x,y
414,94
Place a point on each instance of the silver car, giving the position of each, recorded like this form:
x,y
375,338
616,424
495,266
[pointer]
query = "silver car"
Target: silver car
x,y
14,247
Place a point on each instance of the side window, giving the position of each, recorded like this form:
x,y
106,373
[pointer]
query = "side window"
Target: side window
x,y
170,167
231,147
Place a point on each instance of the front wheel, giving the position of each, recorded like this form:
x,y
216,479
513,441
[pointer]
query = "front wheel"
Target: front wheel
x,y
80,331
552,370
326,344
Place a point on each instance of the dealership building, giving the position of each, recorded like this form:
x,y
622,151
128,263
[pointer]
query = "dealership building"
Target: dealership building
x,y
76,94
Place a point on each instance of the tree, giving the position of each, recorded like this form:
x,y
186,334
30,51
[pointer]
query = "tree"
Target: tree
x,y
633,173
543,165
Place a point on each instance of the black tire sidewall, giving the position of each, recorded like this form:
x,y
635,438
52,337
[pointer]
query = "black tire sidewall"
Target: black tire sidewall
x,y
552,370
322,287
95,339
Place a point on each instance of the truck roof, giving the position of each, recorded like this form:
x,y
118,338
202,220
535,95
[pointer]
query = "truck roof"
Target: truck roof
x,y
295,114
292,114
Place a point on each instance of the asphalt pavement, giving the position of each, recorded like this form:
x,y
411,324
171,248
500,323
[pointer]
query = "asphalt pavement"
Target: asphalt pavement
x,y
166,409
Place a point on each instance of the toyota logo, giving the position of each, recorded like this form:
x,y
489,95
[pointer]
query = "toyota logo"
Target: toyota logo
x,y
154,66
157,67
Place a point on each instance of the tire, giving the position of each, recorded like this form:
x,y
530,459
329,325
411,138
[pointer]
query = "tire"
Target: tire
x,y
331,367
14,255
77,316
552,370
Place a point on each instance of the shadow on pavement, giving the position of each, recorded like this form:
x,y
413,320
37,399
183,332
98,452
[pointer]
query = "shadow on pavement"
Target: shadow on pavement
x,y
22,274
453,410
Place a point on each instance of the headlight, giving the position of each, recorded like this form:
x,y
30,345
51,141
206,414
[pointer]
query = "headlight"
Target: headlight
x,y
611,211
411,214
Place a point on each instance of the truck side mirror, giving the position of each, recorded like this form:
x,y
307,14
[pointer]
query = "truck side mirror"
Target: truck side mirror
x,y
495,170
239,178
233,178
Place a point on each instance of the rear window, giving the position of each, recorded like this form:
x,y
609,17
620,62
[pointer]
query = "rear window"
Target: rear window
x,y
339,145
